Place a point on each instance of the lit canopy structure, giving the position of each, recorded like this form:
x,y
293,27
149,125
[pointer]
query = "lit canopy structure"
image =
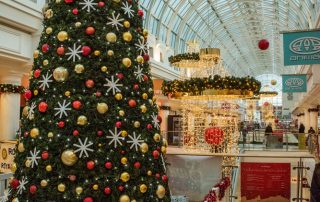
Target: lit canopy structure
x,y
234,26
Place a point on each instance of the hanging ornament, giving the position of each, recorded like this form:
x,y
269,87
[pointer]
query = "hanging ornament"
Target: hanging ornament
x,y
48,168
140,59
77,24
118,96
140,13
61,124
79,190
62,36
137,165
161,191
124,160
126,24
127,36
44,183
126,62
34,132
164,178
124,198
48,30
97,53
72,178
13,167
101,4
86,50
90,83
88,199
33,189
60,50
120,76
61,187
100,133
110,53
79,68
68,1
36,73
75,11
263,44
36,54
146,57
108,165
111,37
90,30
21,147
104,69
44,155
107,190
273,82
143,188
144,147
118,124
90,165
82,120
43,106
76,104
132,103
156,137
102,108
15,183
60,74
155,154
75,133
125,177
69,158
45,48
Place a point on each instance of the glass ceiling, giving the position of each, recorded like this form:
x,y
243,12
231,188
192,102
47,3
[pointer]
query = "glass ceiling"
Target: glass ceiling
x,y
234,26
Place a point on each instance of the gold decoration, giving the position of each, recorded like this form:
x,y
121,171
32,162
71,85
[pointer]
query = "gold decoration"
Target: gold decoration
x,y
96,52
69,158
125,177
144,96
44,183
28,163
62,36
82,120
164,142
45,62
34,132
77,24
102,108
157,137
50,134
143,188
273,82
36,54
35,92
126,62
61,187
79,68
95,187
140,59
14,167
15,200
60,74
111,37
79,190
124,160
110,53
127,36
48,168
145,32
124,198
124,133
118,96
116,1
144,147
25,111
104,69
143,108
126,24
67,93
21,147
49,30
149,173
163,149
161,191
213,94
136,124
121,113
48,14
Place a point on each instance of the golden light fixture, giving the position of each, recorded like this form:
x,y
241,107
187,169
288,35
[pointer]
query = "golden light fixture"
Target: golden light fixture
x,y
210,54
267,92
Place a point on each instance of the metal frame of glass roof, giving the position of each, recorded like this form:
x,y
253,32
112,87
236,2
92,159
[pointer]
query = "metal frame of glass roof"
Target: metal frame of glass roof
x,y
234,26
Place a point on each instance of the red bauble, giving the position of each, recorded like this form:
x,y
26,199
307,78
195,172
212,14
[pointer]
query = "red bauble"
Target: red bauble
x,y
137,165
157,175
45,155
90,165
75,11
101,4
108,165
98,93
123,152
146,57
28,94
61,124
45,48
155,154
60,50
266,104
149,126
145,78
88,199
75,133
33,189
135,86
263,44
43,106
214,136
130,1
132,103
90,30
159,119
26,134
99,132
72,178
36,73
76,104
89,83
15,183
164,178
107,190
140,13
118,124
120,76
86,50
68,1
120,188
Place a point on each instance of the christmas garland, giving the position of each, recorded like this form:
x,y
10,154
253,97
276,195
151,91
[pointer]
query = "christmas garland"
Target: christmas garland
x,y
10,88
184,56
196,86
222,187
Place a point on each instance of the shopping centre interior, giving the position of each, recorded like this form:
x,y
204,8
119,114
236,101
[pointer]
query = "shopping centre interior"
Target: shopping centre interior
x,y
236,84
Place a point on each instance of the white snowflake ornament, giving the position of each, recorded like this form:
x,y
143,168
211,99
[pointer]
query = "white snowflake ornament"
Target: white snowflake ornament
x,y
135,141
22,185
88,4
45,81
83,147
113,85
74,52
127,9
62,109
115,21
34,157
115,138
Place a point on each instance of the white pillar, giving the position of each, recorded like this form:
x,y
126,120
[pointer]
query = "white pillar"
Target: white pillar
x,y
306,120
314,119
164,115
9,109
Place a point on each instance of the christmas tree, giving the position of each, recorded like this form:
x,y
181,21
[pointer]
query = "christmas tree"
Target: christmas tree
x,y
90,131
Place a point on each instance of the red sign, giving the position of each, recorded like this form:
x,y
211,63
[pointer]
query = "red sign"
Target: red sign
x,y
268,182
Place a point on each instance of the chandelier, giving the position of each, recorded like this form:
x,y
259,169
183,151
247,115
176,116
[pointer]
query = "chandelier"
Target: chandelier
x,y
267,92
210,54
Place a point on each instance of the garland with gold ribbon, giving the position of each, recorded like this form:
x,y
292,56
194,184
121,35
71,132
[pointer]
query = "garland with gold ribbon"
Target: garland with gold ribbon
x,y
10,88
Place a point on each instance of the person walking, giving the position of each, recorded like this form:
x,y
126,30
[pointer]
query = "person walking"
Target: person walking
x,y
267,133
311,132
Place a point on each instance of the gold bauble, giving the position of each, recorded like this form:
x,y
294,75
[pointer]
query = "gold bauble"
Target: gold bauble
x,y
13,167
143,109
96,52
69,158
60,74
125,177
35,92
126,24
124,198
44,183
15,200
127,36
48,14
164,142
111,37
36,54
95,187
102,108
61,187
62,36
124,133
58,1
50,134
118,96
273,82
79,190
140,59
121,113
143,188
21,147
104,69
144,96
45,62
157,137
149,173
144,147
34,132
28,163
116,1
110,53
79,68
124,160
82,120
48,168
161,191
163,149
77,24
145,32
25,111
136,124
126,62
49,30
67,93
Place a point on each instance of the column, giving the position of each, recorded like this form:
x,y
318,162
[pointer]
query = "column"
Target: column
x,y
9,108
314,113
164,113
306,120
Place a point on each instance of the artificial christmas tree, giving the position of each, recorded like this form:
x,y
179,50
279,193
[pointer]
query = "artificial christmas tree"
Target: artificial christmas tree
x,y
91,129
